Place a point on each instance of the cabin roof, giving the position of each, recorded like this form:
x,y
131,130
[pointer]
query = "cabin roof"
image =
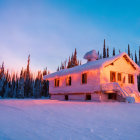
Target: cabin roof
x,y
93,65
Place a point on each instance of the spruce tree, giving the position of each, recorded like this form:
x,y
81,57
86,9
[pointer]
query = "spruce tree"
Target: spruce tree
x,y
72,63
104,50
131,56
98,55
45,71
7,89
136,58
139,55
21,85
17,88
38,86
45,88
128,50
107,52
2,80
113,51
69,63
62,66
58,68
13,85
75,61
27,84
65,64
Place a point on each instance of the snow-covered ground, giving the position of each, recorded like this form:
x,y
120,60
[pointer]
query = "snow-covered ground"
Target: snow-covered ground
x,y
62,120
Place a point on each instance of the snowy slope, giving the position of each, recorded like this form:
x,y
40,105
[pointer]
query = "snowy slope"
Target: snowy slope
x,y
62,120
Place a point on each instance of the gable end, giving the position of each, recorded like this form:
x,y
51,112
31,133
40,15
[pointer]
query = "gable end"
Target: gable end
x,y
128,60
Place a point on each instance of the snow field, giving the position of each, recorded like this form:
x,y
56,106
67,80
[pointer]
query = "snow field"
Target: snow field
x,y
30,119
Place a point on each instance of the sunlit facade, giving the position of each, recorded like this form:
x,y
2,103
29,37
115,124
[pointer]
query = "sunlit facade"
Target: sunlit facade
x,y
106,79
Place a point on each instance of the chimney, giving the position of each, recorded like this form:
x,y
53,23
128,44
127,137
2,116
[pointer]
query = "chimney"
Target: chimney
x,y
91,56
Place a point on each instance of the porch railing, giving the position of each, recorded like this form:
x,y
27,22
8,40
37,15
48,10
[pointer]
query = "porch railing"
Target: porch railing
x,y
114,87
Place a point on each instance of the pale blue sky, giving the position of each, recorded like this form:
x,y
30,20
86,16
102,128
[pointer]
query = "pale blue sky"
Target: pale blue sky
x,y
49,30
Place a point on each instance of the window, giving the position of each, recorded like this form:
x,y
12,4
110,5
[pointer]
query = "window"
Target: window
x,y
66,97
88,97
112,76
119,77
112,96
56,82
84,78
130,79
68,81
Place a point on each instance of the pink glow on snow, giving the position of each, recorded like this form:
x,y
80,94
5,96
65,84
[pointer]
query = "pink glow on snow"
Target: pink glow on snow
x,y
47,119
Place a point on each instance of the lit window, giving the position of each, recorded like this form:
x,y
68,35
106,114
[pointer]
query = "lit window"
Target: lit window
x,y
68,81
56,82
84,78
119,77
130,79
112,76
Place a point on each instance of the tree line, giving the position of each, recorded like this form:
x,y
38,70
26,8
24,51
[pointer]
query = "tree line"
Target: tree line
x,y
23,86
72,62
106,53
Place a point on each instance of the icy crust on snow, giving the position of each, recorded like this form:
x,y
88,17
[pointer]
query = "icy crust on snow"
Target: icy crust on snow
x,y
68,120
92,65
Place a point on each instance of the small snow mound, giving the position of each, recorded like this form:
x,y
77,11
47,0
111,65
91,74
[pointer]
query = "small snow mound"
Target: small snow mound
x,y
130,99
91,56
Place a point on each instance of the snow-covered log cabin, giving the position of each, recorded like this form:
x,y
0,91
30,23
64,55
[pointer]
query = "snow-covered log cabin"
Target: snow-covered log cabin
x,y
105,79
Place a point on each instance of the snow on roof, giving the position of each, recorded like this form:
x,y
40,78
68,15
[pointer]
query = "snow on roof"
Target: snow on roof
x,y
91,55
92,65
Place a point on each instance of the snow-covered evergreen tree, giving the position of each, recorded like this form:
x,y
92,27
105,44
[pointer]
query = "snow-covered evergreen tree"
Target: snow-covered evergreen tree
x,y
27,80
2,80
21,85
37,88
45,71
45,88
69,63
75,61
7,90
13,85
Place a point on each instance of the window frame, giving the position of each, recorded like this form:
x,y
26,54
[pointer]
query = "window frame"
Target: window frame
x,y
111,80
57,82
68,81
84,78
130,78
119,77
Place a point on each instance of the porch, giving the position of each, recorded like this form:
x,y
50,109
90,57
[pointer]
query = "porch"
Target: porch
x,y
116,92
